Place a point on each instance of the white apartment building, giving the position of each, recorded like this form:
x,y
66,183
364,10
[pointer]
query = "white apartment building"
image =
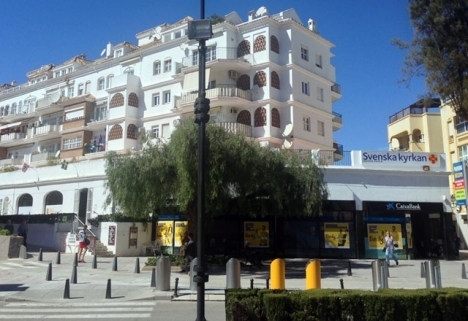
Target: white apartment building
x,y
270,77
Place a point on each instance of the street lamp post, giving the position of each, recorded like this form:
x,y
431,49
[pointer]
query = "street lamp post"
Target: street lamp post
x,y
201,30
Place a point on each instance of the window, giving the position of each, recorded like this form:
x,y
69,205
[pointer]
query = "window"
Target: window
x,y
156,99
129,71
71,143
63,72
57,74
109,81
320,128
305,88
195,58
100,84
74,114
463,153
451,130
212,84
155,131
80,89
87,87
167,65
70,70
118,53
156,68
320,93
71,91
210,53
165,130
305,53
178,34
306,123
318,60
166,97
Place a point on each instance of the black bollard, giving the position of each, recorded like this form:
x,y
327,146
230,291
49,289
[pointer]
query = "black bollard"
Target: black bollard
x,y
75,260
49,273
153,278
423,270
137,265
94,262
66,292
341,284
114,265
108,289
251,283
267,283
463,271
39,258
176,286
57,260
350,273
74,277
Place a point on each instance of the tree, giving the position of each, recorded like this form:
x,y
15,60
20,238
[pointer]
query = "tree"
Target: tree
x,y
241,177
439,49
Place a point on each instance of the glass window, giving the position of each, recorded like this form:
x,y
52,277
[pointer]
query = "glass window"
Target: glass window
x,y
320,93
305,88
210,53
156,68
155,131
109,81
118,53
306,123
166,97
71,143
320,128
305,53
318,60
87,87
100,84
156,99
80,89
167,65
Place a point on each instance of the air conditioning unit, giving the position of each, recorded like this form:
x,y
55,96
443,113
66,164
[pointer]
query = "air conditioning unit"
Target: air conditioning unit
x,y
233,74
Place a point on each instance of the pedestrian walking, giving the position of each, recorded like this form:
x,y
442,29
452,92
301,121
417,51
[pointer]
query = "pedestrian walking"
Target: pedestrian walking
x,y
390,248
83,244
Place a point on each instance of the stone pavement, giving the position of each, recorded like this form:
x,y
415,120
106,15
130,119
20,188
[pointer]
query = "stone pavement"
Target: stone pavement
x,y
25,279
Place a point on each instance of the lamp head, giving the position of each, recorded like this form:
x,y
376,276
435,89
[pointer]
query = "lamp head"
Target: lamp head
x,y
200,29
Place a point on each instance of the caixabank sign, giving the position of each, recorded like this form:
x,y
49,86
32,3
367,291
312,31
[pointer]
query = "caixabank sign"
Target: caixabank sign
x,y
401,160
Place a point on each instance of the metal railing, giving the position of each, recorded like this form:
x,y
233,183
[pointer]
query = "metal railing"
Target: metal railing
x,y
218,92
216,54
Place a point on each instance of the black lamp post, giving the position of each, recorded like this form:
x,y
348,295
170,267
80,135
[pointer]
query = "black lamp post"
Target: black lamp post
x,y
201,31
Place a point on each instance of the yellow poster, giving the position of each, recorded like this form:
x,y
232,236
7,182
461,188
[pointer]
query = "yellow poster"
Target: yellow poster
x,y
336,235
165,232
409,235
180,231
257,234
376,234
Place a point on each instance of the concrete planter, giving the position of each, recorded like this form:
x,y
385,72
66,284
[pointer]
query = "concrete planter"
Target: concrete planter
x,y
10,246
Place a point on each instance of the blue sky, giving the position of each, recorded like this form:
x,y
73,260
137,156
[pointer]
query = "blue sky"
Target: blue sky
x,y
368,66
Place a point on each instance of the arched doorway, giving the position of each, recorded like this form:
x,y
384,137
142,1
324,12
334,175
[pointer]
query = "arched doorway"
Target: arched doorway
x,y
83,204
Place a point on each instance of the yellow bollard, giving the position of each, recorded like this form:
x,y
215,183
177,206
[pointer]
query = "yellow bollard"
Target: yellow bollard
x,y
313,275
277,274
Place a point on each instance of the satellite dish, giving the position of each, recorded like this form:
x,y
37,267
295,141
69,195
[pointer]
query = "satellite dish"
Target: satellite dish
x,y
255,89
156,33
103,52
57,154
287,144
261,11
288,130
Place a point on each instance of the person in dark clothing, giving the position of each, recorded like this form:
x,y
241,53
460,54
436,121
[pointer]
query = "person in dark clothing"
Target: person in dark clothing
x,y
23,231
190,253
9,227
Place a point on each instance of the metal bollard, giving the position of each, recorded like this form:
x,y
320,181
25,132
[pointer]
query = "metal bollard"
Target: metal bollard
x,y
40,255
278,274
341,284
433,279
163,274
251,283
108,289
192,273
268,283
94,266
175,287
137,265
49,273
57,260
153,278
114,264
66,291
313,275
233,274
350,273
463,271
423,270
379,275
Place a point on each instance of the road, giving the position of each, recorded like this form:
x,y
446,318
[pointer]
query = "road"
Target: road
x,y
117,311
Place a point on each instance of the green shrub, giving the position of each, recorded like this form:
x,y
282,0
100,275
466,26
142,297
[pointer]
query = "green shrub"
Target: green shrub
x,y
4,232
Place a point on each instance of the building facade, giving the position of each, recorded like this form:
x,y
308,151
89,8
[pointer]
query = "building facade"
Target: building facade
x,y
270,78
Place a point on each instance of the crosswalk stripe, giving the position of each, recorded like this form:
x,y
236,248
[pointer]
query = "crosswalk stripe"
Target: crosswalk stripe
x,y
90,310
78,304
79,315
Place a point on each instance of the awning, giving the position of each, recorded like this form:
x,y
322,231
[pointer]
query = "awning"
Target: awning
x,y
191,80
11,125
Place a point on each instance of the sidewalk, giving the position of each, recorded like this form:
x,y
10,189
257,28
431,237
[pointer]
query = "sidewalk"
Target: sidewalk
x,y
25,280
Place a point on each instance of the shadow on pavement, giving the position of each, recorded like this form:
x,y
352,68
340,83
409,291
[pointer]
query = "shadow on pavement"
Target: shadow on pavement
x,y
12,287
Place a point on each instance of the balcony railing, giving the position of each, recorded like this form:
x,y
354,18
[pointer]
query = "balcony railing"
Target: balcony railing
x,y
41,156
12,136
217,54
412,110
337,118
218,92
336,88
11,161
44,129
236,128
102,117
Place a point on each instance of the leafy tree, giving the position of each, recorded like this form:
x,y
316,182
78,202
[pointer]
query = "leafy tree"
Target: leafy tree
x,y
242,177
216,19
439,49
